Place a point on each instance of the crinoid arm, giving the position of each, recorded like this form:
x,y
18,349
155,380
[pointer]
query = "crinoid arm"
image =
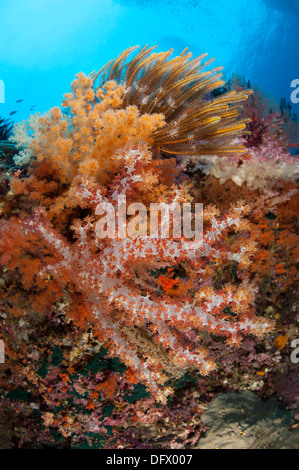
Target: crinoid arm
x,y
181,89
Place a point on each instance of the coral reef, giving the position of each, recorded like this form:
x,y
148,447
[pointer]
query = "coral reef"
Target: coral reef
x,y
272,136
120,341
260,168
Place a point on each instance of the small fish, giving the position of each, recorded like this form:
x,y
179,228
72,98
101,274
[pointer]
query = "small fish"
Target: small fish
x,y
13,112
19,101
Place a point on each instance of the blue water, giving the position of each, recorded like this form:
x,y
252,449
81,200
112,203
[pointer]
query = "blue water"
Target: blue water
x,y
43,43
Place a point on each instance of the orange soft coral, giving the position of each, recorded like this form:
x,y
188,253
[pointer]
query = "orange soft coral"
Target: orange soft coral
x,y
109,285
111,141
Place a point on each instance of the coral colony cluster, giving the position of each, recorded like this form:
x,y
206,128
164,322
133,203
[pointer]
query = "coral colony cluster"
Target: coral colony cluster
x,y
115,335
